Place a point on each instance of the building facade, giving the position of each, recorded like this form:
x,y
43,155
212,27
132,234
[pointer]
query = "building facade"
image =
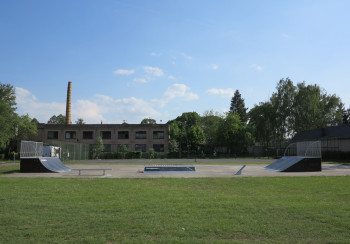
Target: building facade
x,y
136,137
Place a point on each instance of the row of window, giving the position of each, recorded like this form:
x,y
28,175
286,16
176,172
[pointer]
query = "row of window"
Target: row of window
x,y
106,135
138,147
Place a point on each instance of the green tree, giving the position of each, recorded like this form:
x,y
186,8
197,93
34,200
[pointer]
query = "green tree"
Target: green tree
x,y
57,120
8,117
195,136
292,109
210,123
97,148
261,122
234,134
313,108
26,127
187,132
173,145
123,148
80,121
152,153
282,102
148,121
238,106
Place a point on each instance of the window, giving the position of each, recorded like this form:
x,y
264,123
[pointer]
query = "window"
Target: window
x,y
123,134
158,147
88,135
106,134
141,135
158,134
107,148
52,135
140,147
71,135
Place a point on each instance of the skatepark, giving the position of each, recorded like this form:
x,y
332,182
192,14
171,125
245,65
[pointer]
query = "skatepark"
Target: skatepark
x,y
204,168
33,164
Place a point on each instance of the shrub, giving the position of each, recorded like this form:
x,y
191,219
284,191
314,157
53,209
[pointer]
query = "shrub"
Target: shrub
x,y
120,155
133,155
152,153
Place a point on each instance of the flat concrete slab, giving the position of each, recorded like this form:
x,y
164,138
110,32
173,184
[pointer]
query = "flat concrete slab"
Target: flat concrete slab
x,y
202,171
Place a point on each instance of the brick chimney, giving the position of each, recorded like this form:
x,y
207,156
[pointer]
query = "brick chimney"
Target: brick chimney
x,y
68,104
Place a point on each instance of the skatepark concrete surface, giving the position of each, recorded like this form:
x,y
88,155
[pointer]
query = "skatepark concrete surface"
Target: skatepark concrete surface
x,y
221,168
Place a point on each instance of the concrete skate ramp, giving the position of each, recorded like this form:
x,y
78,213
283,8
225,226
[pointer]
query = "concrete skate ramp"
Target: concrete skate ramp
x,y
295,164
42,164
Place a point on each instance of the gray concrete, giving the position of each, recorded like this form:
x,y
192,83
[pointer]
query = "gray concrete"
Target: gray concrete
x,y
202,170
175,161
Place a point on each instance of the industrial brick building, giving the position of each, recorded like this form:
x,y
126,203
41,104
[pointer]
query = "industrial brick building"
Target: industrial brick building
x,y
137,137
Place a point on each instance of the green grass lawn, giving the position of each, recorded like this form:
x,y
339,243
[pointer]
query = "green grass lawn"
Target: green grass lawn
x,y
167,210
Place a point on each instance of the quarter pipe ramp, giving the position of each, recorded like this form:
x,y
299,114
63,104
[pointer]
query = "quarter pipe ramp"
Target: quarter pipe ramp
x,y
295,164
42,164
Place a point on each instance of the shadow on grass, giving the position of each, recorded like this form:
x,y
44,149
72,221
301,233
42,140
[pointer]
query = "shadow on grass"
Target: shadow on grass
x,y
5,170
10,172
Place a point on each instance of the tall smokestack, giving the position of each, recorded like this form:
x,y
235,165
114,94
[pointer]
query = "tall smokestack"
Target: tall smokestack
x,y
68,105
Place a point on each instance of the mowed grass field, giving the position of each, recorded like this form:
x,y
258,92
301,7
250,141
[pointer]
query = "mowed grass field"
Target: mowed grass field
x,y
167,210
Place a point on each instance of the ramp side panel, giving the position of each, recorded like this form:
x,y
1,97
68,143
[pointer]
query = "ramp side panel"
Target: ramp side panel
x,y
32,165
306,165
42,165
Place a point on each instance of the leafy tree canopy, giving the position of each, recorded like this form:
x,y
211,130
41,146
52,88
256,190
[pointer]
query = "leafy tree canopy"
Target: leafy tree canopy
x,y
292,109
186,130
80,121
210,123
12,126
8,117
238,106
234,133
148,121
57,120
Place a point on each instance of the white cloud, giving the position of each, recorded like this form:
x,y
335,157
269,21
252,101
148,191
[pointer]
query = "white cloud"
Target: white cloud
x,y
226,93
133,109
140,80
156,54
186,56
150,74
176,91
90,111
104,99
287,36
105,108
215,67
257,67
170,77
27,103
124,72
153,71
180,90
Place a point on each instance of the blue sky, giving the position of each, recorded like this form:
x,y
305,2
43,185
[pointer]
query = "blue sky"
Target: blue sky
x,y
130,59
